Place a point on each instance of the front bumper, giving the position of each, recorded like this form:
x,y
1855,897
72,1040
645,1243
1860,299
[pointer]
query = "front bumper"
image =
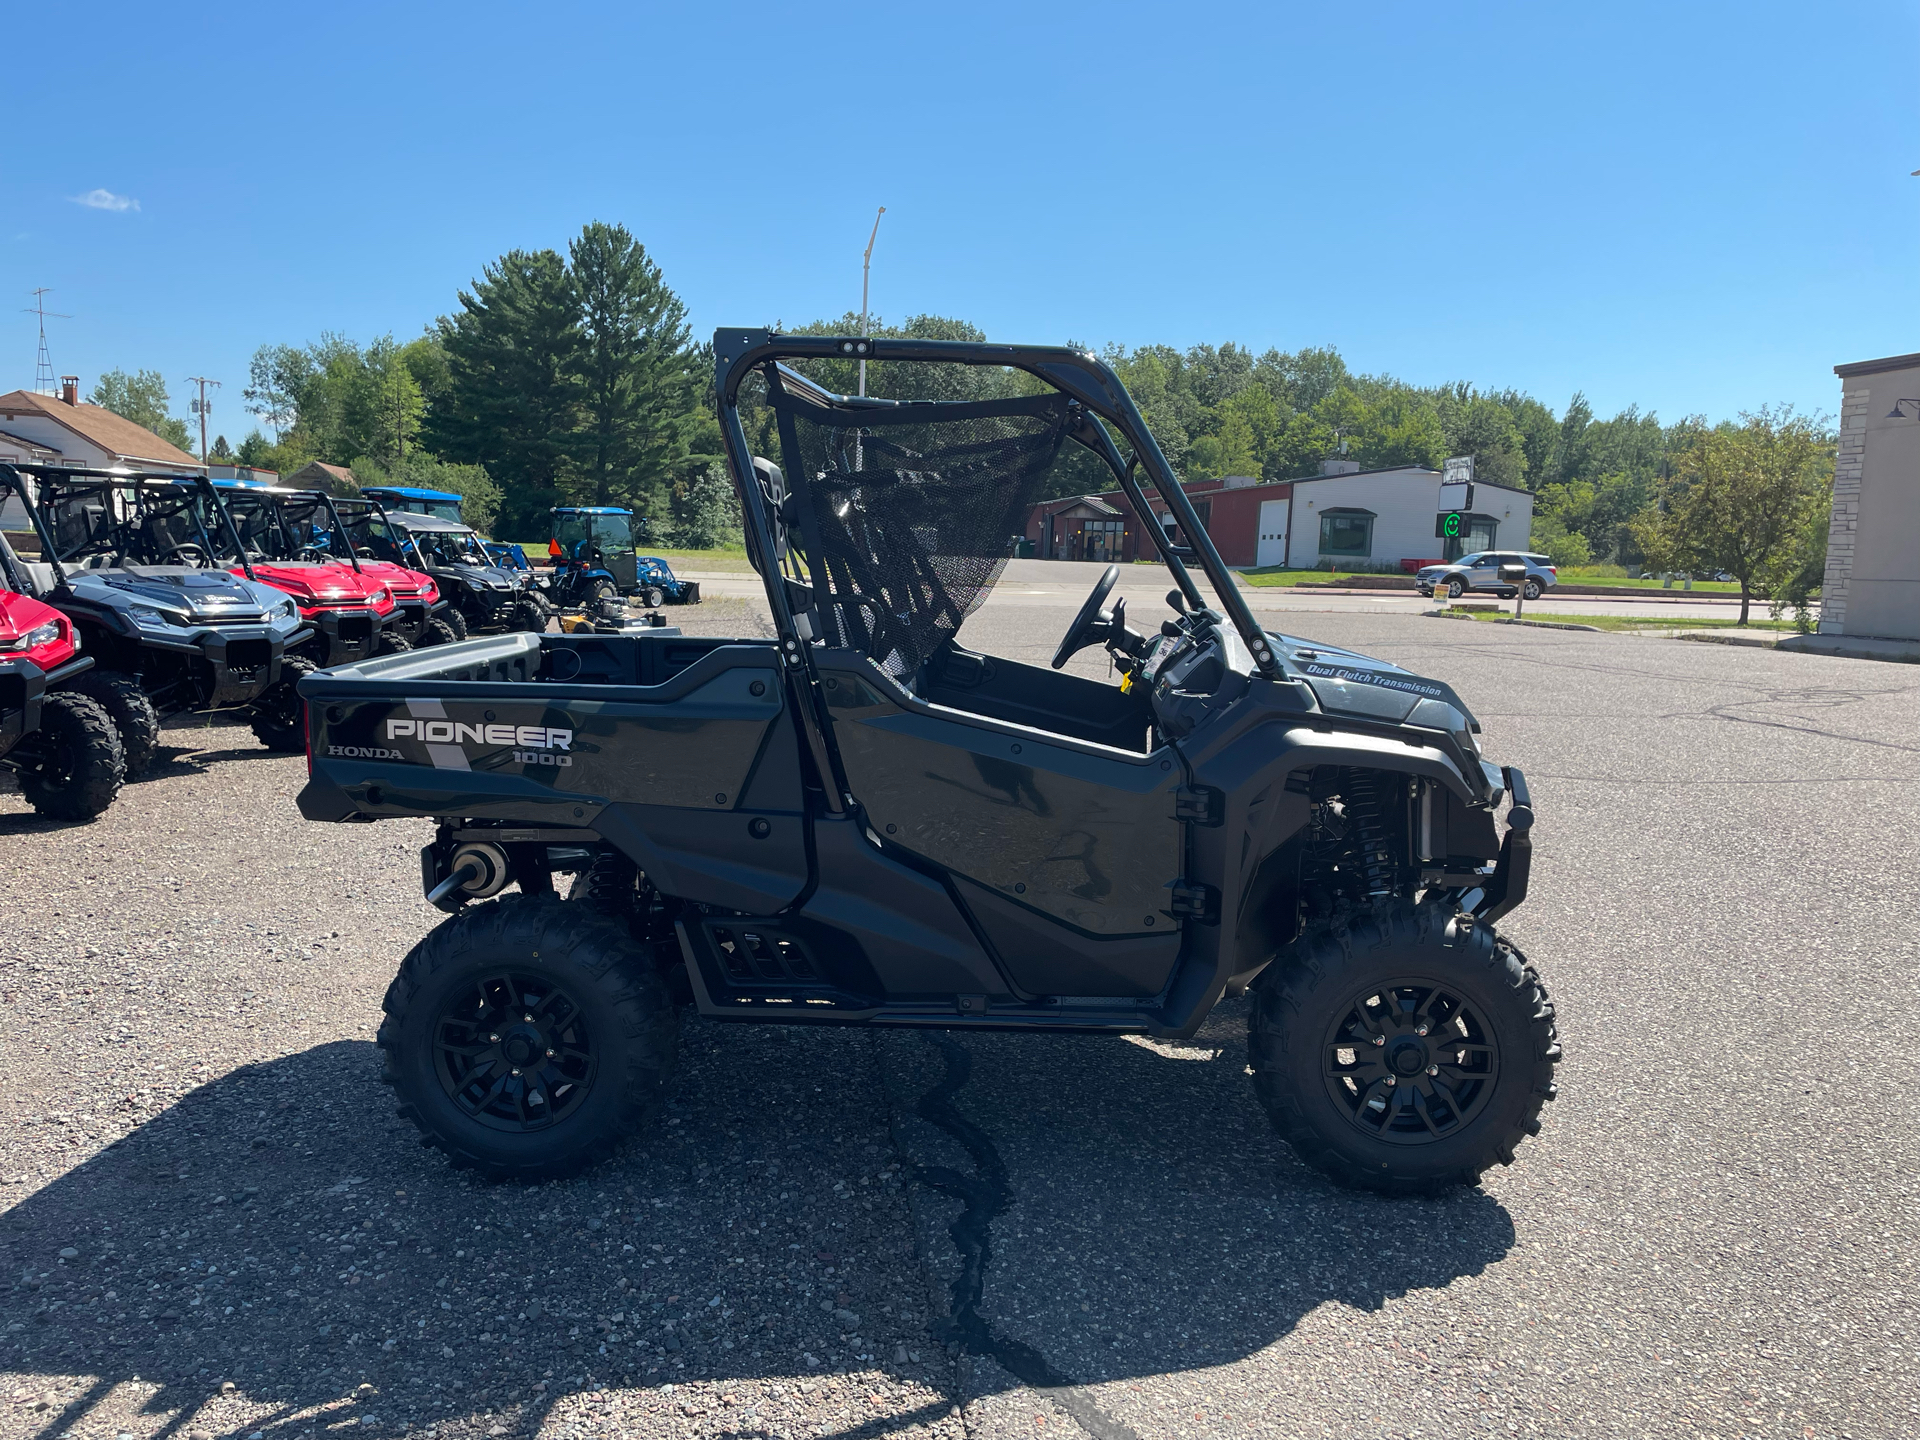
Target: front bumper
x,y
349,635
1508,888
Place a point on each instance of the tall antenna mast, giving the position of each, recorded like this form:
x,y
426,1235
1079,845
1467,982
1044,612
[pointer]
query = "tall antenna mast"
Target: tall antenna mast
x,y
43,367
202,407
866,266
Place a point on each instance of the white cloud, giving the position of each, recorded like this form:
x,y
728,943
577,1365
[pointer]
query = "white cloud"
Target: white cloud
x,y
105,200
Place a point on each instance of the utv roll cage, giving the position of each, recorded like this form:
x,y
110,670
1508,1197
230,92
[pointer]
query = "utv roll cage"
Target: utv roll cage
x,y
137,519
1084,402
288,509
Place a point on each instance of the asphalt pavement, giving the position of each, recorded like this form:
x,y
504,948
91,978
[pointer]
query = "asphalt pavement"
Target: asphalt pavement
x,y
214,1226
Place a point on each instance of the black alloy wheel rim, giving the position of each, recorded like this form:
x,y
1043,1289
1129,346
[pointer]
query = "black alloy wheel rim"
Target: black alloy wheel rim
x,y
1410,1062
514,1052
59,763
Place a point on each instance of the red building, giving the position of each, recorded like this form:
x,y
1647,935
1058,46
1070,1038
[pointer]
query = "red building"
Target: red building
x,y
1105,528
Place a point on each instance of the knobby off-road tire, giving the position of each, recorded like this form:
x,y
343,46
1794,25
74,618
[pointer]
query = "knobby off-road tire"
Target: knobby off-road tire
x,y
436,632
523,614
280,715
597,1053
130,709
80,765
392,644
1339,1012
456,621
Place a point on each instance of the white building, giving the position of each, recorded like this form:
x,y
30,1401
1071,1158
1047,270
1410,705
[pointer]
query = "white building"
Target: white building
x,y
1386,517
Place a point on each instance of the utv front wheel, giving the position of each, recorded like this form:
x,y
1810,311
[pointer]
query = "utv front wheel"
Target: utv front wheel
x,y
1408,1053
78,761
526,1037
130,709
280,715
524,615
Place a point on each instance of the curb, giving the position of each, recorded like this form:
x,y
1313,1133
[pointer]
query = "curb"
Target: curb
x,y
1708,637
1550,625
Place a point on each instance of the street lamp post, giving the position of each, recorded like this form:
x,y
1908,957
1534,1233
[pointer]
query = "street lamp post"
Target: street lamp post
x,y
866,267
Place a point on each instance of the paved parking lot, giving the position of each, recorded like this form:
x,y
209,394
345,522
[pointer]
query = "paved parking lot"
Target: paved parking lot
x,y
213,1225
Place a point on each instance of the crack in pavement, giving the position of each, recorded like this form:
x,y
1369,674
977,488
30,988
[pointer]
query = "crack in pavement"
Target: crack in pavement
x,y
984,1195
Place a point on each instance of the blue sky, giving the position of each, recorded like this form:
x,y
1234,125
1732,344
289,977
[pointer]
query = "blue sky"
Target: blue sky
x,y
1695,208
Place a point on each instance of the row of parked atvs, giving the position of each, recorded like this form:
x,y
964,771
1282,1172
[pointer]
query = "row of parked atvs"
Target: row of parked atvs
x,y
156,594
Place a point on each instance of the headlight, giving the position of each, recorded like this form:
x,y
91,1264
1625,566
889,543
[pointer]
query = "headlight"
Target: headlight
x,y
286,609
378,596
40,635
151,619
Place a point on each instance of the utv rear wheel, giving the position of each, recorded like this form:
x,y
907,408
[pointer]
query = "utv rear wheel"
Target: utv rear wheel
x,y
78,765
527,1037
130,709
1407,1053
280,715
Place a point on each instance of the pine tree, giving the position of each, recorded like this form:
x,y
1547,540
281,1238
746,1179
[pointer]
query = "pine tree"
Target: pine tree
x,y
512,388
637,384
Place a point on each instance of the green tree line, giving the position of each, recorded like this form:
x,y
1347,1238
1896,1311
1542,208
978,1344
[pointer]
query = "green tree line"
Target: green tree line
x,y
574,378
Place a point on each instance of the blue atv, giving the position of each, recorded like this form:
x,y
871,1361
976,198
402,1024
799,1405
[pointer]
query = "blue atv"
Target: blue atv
x,y
594,560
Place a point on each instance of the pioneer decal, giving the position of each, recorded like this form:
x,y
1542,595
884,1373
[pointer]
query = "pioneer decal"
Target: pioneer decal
x,y
1410,684
454,732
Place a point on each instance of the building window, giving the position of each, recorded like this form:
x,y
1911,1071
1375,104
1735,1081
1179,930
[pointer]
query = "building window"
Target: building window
x,y
1346,532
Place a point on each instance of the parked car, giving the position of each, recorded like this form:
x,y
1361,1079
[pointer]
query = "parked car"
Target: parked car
x,y
1481,571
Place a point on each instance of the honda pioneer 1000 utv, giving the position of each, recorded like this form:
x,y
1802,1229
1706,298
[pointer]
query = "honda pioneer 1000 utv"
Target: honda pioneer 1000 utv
x,y
863,821
130,558
289,539
484,596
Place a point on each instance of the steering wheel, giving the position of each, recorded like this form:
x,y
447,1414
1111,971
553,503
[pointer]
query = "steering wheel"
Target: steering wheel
x,y
189,553
1079,635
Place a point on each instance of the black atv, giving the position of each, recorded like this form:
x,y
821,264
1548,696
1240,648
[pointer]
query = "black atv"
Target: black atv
x,y
864,822
484,596
132,560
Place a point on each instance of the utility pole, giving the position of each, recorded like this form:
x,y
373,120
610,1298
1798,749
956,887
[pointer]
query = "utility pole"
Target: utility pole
x,y
866,267
43,367
202,407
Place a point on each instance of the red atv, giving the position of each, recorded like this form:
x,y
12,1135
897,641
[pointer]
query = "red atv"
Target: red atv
x,y
61,744
355,615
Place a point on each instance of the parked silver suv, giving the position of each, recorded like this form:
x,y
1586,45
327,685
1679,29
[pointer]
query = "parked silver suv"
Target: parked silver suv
x,y
1481,571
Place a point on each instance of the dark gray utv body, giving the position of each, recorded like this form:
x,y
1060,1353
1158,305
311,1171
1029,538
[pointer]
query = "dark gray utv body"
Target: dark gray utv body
x,y
862,821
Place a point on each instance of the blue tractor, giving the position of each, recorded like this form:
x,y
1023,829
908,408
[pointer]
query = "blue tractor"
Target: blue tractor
x,y
594,560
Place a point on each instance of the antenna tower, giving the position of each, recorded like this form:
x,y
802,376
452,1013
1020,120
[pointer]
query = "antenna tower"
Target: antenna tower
x,y
43,366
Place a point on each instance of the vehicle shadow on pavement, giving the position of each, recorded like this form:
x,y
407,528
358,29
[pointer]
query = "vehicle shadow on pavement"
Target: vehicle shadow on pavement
x,y
1137,1213
278,1229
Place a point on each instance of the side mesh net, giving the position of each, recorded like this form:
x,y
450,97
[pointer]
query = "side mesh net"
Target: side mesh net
x,y
906,513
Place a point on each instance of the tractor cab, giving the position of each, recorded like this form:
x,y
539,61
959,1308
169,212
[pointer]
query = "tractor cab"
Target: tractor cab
x,y
595,541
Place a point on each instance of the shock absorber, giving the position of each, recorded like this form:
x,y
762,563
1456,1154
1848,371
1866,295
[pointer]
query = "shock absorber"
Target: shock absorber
x,y
610,881
1361,790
